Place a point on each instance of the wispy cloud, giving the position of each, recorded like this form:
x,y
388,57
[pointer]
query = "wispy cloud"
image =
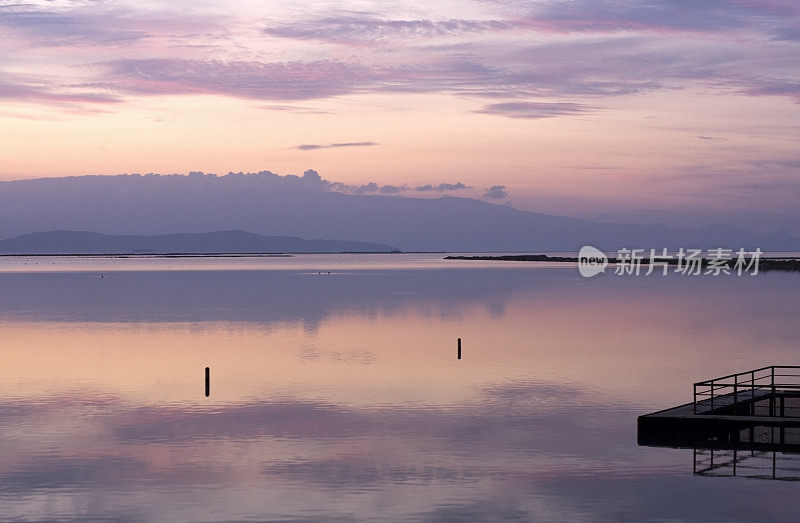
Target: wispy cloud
x,y
534,109
443,187
295,109
576,16
365,27
17,89
243,79
328,78
311,146
603,16
787,88
632,45
93,25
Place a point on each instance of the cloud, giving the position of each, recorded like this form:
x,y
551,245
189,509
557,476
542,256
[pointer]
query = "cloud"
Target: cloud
x,y
575,16
497,52
70,27
393,189
496,192
28,90
367,27
311,147
295,109
95,25
299,80
296,80
787,34
526,68
680,16
534,109
443,187
368,188
787,88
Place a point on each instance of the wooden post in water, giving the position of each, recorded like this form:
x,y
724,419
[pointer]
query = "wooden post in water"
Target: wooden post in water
x,y
208,382
459,348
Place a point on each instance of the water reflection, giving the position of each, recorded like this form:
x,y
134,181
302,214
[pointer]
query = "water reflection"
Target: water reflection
x,y
756,464
303,455
341,397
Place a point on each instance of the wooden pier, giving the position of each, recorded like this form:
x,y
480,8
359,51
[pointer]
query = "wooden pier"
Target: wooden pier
x,y
758,408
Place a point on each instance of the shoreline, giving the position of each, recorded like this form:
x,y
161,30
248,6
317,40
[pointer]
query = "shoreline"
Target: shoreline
x,y
781,263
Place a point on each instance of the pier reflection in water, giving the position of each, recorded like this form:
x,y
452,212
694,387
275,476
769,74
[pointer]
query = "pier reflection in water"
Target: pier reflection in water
x,y
757,464
745,425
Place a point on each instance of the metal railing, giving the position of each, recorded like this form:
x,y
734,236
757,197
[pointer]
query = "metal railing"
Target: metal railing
x,y
750,385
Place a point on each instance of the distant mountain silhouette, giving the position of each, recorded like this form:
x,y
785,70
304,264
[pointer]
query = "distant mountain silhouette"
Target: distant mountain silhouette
x,y
266,203
80,242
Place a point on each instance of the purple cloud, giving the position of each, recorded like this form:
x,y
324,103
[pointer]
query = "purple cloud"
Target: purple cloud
x,y
788,88
91,25
604,16
443,187
496,192
326,78
534,109
311,146
257,80
393,189
19,90
352,29
584,16
478,60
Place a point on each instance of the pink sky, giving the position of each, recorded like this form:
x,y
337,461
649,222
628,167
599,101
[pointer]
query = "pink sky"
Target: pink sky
x,y
621,110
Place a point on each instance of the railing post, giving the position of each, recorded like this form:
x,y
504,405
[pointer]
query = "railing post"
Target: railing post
x,y
735,393
712,394
772,394
695,398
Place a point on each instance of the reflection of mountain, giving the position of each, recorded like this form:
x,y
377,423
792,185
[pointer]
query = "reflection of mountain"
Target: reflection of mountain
x,y
257,296
267,296
292,206
78,242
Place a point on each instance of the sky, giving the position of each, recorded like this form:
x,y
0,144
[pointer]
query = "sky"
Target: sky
x,y
676,111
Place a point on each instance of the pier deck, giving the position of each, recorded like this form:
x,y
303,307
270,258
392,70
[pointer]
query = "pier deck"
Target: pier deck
x,y
761,406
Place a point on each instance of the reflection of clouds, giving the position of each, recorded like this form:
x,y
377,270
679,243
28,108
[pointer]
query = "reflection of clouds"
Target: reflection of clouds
x,y
476,511
58,472
533,393
348,357
359,470
277,419
504,412
520,450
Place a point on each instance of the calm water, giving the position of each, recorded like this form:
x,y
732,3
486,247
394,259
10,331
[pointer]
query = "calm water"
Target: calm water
x,y
339,396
